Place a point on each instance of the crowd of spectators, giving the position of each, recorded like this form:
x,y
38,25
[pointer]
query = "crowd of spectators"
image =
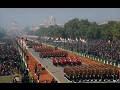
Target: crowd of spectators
x,y
10,61
9,58
104,49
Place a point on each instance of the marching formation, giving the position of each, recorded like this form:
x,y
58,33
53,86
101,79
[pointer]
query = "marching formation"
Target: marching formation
x,y
54,53
48,52
63,61
91,73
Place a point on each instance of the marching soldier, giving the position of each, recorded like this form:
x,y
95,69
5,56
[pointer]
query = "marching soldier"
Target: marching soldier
x,y
77,77
103,75
86,75
71,77
117,75
80,75
98,76
110,74
89,74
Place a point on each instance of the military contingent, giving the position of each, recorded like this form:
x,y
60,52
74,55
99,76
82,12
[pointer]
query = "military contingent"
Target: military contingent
x,y
90,73
48,52
64,61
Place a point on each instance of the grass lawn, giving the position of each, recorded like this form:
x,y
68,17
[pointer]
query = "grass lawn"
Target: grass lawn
x,y
7,79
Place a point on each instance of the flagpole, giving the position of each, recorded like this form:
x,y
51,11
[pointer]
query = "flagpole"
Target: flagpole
x,y
22,46
77,44
87,42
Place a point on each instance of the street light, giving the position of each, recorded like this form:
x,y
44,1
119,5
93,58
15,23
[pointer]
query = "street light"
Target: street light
x,y
77,44
26,50
26,45
22,46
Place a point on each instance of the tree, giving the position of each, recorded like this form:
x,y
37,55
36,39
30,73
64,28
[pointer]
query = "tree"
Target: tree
x,y
116,30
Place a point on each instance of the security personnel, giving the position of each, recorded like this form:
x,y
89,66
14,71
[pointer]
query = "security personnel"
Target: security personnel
x,y
14,80
38,74
35,69
53,80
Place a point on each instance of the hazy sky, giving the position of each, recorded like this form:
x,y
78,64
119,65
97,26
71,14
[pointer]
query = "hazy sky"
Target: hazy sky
x,y
34,16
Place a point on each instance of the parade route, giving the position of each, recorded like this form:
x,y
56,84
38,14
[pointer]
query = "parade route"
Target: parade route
x,y
56,72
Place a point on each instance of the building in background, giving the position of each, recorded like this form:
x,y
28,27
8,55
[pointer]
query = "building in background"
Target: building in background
x,y
47,23
14,26
14,29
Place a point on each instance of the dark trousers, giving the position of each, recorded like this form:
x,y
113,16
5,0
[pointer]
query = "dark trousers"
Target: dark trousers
x,y
35,70
38,77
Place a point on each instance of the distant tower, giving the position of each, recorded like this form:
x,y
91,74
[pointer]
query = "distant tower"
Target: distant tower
x,y
45,20
14,26
52,20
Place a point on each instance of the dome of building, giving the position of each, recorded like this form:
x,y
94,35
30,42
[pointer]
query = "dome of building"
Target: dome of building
x,y
14,23
52,19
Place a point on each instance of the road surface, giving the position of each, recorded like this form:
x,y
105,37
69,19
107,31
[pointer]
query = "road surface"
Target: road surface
x,y
56,72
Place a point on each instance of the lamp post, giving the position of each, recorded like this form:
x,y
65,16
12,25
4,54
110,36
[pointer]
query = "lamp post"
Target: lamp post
x,y
26,45
77,44
26,58
22,52
22,46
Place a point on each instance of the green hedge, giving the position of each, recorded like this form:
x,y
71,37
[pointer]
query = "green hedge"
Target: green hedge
x,y
22,64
